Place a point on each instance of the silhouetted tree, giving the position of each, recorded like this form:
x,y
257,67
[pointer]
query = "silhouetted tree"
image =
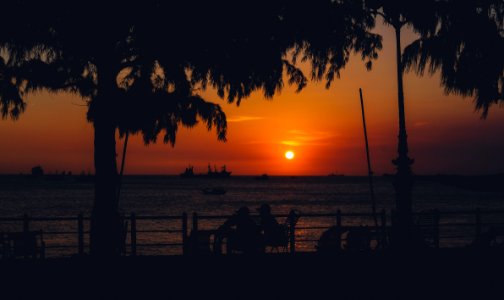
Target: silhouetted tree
x,y
463,39
140,72
63,53
331,31
11,100
471,64
17,42
140,67
321,41
422,17
467,48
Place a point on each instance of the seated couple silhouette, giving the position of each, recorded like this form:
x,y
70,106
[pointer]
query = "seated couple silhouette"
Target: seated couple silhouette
x,y
244,235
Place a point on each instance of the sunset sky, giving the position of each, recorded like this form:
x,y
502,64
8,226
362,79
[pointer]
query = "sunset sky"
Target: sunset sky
x,y
323,127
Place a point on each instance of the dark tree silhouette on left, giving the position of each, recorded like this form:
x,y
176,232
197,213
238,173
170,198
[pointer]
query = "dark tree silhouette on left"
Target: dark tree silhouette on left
x,y
53,48
139,73
140,67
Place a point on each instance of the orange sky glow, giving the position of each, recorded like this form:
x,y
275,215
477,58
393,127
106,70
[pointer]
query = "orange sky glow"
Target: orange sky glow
x,y
323,127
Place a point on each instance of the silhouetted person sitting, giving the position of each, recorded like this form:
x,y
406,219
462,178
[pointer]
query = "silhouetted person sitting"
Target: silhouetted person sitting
x,y
330,241
358,239
242,233
273,233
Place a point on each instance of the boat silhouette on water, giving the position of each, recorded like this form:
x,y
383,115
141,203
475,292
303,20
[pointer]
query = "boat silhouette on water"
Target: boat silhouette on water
x,y
262,177
213,191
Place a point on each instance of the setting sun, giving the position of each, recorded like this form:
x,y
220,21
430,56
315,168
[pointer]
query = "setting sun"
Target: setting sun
x,y
289,155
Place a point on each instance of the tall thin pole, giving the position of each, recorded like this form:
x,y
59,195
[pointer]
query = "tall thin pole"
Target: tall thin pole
x,y
370,172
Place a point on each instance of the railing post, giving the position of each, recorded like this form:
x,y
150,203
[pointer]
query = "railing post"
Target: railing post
x,y
184,233
436,229
26,228
478,223
195,222
383,228
292,236
393,229
133,235
80,233
26,223
338,218
193,232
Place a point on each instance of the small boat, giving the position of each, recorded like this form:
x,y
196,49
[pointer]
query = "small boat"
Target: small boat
x,y
262,177
213,191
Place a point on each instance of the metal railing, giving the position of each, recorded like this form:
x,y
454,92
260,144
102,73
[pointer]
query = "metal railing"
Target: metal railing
x,y
168,235
68,236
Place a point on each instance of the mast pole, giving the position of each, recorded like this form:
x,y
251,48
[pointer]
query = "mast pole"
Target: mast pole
x,y
370,172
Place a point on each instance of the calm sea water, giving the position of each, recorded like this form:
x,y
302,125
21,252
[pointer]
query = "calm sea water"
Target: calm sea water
x,y
172,195
169,195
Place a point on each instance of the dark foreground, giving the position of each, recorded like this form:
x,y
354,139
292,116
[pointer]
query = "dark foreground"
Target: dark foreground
x,y
449,274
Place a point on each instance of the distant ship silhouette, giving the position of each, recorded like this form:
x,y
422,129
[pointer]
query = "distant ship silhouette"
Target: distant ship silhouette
x,y
262,177
188,173
223,173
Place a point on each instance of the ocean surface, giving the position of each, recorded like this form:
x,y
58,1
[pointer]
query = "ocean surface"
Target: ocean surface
x,y
172,195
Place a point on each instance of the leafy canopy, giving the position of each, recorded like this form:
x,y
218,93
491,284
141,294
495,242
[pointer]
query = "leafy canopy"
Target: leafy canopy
x,y
142,66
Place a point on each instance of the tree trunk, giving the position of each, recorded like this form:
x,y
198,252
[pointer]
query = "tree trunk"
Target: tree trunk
x,y
403,182
106,225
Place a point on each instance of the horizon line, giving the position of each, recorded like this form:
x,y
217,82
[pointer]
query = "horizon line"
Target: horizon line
x,y
271,175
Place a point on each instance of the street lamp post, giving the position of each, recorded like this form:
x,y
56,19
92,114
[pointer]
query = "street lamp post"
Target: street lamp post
x,y
403,182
